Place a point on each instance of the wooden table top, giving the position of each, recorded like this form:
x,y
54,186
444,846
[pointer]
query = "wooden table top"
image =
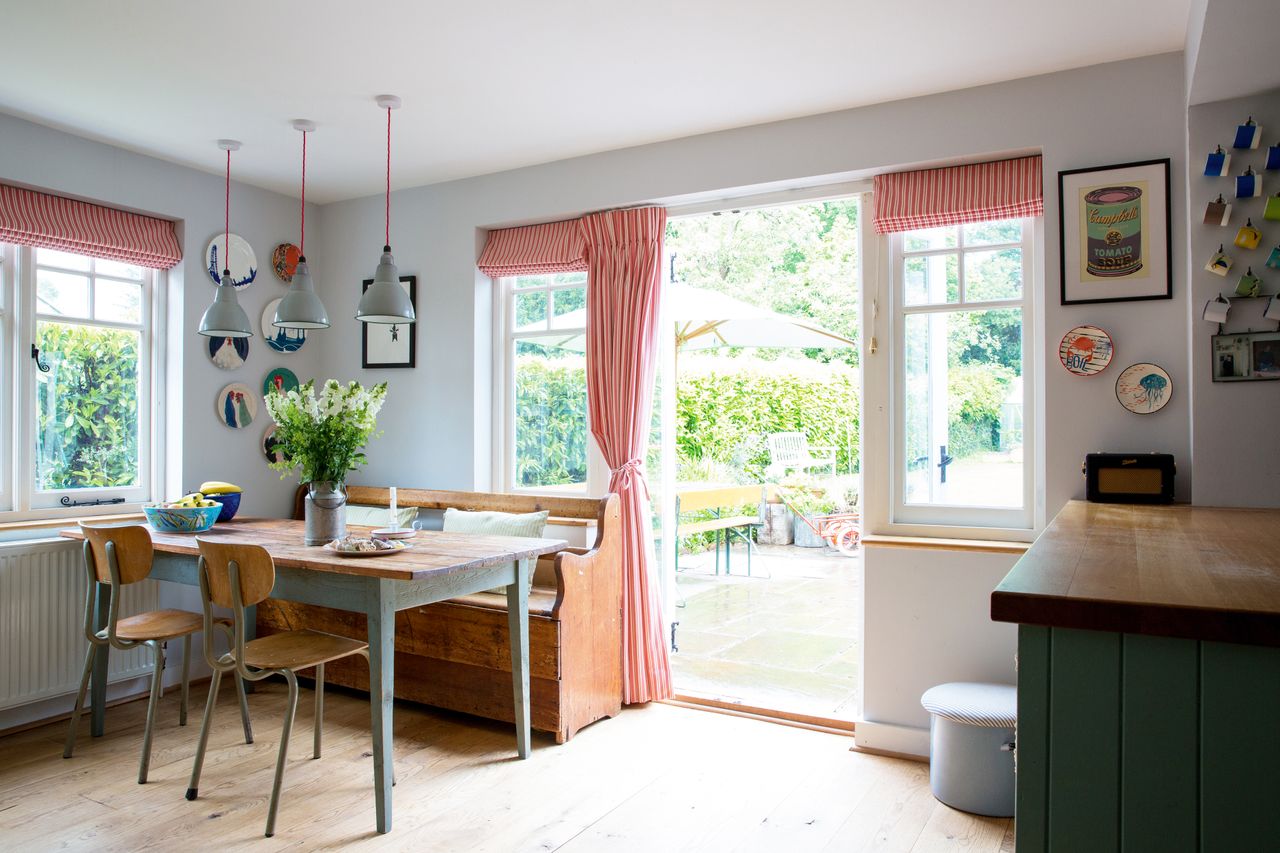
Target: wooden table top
x,y
1208,573
434,553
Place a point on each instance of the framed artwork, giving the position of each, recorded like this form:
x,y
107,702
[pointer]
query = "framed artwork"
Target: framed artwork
x,y
1246,357
393,345
1113,230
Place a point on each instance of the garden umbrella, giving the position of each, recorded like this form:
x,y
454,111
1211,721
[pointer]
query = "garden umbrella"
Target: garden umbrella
x,y
706,319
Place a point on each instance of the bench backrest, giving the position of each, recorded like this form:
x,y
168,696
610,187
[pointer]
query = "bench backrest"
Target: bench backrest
x,y
729,496
591,509
788,447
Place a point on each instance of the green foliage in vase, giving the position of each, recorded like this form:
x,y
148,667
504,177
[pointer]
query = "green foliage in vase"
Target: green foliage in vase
x,y
324,433
86,407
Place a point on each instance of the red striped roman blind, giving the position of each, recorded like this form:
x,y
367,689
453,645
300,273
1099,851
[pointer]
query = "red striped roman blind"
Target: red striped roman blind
x,y
30,218
1005,189
534,250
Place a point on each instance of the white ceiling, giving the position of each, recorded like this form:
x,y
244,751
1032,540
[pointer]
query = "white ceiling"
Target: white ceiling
x,y
500,84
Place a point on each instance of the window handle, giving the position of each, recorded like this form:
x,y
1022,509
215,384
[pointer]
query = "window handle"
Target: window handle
x,y
35,355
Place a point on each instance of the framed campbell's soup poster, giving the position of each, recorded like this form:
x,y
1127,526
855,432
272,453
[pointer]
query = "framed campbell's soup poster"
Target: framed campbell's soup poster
x,y
1113,227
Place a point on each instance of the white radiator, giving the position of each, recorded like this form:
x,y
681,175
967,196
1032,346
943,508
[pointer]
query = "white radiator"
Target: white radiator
x,y
42,644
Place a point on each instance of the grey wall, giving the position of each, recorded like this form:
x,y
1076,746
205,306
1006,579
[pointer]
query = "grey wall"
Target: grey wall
x,y
437,426
1233,427
38,157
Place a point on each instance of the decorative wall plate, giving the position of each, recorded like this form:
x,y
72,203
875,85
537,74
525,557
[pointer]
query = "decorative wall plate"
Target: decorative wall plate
x,y
236,406
279,379
284,260
280,339
269,445
228,353
1144,388
243,262
1085,350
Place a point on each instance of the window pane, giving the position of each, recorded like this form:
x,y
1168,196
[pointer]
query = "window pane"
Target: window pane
x,y
531,310
117,301
993,275
550,415
66,260
86,431
963,406
530,281
64,294
118,270
569,308
931,280
930,238
987,233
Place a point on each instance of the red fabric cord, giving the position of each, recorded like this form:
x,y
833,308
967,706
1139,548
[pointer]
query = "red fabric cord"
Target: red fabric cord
x,y
302,239
387,236
226,248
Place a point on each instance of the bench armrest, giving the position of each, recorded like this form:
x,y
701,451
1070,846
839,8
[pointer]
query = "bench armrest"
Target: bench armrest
x,y
580,571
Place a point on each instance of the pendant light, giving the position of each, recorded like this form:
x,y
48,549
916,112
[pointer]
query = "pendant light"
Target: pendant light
x,y
301,308
225,318
385,301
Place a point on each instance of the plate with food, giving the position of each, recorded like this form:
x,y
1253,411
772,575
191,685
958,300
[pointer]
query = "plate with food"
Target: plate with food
x,y
359,546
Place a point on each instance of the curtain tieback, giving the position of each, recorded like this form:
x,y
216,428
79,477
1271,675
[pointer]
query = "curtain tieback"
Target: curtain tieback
x,y
626,471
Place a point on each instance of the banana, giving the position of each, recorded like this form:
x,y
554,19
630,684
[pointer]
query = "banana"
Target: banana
x,y
218,487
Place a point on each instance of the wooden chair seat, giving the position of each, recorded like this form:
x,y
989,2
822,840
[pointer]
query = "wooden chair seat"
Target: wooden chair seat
x,y
542,601
159,625
296,650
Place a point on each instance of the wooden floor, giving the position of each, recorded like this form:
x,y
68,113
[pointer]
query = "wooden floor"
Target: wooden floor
x,y
657,778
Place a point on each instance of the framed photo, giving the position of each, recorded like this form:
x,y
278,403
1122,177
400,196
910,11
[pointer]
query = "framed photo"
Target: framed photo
x,y
1246,357
1113,230
395,345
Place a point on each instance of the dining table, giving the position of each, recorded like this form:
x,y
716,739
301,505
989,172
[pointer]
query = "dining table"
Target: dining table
x,y
436,567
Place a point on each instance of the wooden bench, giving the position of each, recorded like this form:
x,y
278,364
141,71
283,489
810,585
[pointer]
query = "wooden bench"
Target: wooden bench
x,y
456,654
723,502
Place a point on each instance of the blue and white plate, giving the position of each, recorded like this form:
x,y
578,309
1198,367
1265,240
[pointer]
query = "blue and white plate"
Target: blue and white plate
x,y
243,263
280,339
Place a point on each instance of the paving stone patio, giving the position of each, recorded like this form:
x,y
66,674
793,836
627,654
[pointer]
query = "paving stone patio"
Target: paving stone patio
x,y
785,638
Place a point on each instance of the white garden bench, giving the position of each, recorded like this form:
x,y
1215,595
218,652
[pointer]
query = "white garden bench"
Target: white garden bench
x,y
791,451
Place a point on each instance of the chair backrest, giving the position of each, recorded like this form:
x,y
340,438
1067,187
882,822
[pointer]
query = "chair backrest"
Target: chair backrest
x,y
256,569
785,447
131,545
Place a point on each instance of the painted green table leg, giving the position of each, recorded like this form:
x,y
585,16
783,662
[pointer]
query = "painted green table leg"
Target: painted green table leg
x,y
518,628
381,613
98,689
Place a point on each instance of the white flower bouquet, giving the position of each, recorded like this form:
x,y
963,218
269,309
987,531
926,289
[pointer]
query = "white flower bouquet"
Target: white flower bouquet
x,y
324,433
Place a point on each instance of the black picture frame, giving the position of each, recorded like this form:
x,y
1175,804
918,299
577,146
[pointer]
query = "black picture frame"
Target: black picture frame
x,y
409,330
1081,287
1245,357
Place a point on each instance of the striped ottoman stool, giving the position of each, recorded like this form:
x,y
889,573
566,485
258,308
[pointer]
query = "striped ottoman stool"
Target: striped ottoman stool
x,y
971,742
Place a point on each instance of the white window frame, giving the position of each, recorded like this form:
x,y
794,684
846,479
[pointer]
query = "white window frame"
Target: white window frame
x,y
884,425
506,336
18,276
8,284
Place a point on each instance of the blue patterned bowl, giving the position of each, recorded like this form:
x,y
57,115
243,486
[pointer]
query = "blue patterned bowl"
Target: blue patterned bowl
x,y
230,505
182,519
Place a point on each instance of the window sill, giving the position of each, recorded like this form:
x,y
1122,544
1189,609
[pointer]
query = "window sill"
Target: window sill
x,y
988,546
48,520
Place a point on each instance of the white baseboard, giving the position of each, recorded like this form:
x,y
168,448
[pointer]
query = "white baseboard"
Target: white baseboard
x,y
886,737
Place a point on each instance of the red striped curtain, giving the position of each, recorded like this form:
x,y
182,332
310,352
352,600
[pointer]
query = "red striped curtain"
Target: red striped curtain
x,y
45,221
1005,189
534,250
624,253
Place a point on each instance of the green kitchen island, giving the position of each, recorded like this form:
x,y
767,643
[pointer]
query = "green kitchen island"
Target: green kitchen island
x,y
1148,680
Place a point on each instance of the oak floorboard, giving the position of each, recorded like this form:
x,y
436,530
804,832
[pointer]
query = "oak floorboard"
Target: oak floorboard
x,y
657,777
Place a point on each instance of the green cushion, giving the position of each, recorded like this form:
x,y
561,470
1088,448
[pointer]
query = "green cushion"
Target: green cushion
x,y
492,523
376,516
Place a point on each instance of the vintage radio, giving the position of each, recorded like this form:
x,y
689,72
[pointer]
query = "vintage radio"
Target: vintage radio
x,y
1131,478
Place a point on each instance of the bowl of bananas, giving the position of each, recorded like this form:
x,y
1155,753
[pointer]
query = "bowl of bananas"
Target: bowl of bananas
x,y
227,494
192,513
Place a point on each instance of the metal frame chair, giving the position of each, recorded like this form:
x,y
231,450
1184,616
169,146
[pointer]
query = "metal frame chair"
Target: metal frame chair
x,y
119,556
237,576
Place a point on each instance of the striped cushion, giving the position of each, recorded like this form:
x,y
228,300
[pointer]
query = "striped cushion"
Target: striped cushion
x,y
492,523
992,706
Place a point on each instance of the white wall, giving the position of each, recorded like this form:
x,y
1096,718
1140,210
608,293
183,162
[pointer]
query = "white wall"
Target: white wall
x,y
927,622
1233,425
41,158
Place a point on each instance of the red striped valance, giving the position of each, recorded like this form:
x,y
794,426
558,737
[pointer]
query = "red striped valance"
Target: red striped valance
x,y
30,218
534,250
1005,189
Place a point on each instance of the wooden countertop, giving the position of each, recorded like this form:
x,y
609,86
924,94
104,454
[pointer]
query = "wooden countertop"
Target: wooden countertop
x,y
1207,573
